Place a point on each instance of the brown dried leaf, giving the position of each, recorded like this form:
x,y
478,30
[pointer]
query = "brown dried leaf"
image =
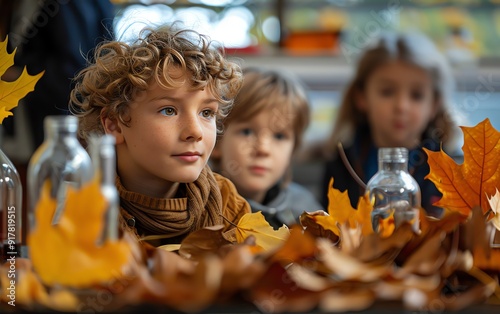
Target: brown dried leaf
x,y
188,286
426,260
429,227
379,250
351,238
203,241
241,270
277,292
319,227
347,267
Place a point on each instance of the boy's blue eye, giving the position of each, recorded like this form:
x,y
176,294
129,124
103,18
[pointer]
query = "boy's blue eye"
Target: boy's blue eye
x,y
169,111
207,113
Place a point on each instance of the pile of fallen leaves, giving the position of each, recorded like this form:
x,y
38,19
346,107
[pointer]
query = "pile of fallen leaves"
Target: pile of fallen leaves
x,y
332,261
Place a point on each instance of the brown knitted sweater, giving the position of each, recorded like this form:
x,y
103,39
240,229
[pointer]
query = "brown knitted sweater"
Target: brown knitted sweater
x,y
196,205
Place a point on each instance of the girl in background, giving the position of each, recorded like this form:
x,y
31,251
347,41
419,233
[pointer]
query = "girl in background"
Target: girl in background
x,y
261,134
399,97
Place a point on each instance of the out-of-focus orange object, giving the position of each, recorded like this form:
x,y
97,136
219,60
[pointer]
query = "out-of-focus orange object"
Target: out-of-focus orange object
x,y
312,42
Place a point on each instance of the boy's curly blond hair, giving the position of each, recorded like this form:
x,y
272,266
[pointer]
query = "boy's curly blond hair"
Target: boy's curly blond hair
x,y
120,70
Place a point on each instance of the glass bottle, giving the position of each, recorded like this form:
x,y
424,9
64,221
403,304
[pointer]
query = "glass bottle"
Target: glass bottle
x,y
102,152
11,198
393,191
62,159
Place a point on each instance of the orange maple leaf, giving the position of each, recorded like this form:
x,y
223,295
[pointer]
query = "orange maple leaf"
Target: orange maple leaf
x,y
469,184
68,253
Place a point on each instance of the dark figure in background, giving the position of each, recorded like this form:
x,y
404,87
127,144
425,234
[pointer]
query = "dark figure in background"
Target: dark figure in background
x,y
55,36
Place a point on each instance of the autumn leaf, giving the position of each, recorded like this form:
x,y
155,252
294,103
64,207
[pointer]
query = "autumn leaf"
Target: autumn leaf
x,y
67,253
478,238
495,208
203,241
341,212
254,224
299,245
339,208
277,291
467,185
318,226
12,92
363,218
347,267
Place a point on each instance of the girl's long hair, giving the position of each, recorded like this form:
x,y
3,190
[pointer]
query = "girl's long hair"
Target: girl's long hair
x,y
418,50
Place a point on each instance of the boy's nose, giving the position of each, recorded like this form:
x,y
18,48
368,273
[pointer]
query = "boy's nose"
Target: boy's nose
x,y
262,144
192,129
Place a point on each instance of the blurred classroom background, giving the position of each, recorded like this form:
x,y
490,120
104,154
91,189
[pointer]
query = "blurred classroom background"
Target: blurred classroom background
x,y
320,41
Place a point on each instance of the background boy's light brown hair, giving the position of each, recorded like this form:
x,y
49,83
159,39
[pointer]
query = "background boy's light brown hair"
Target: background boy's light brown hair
x,y
120,70
278,92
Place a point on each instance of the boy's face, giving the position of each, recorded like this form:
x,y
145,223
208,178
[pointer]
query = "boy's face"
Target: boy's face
x,y
255,154
399,101
170,137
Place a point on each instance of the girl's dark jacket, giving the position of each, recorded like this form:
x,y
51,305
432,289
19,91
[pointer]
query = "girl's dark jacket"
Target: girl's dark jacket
x,y
362,156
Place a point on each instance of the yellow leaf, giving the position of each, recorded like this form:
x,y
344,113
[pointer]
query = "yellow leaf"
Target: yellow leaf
x,y
12,92
68,253
339,207
363,217
254,224
6,59
341,212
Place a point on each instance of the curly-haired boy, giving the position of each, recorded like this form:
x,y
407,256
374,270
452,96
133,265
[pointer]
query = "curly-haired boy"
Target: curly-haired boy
x,y
163,97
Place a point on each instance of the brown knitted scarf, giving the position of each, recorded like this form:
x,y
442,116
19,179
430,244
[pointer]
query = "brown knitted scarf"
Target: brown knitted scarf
x,y
171,217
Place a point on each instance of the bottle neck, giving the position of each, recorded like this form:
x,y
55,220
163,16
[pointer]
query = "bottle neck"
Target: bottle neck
x,y
393,159
59,134
104,158
107,165
60,127
400,165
